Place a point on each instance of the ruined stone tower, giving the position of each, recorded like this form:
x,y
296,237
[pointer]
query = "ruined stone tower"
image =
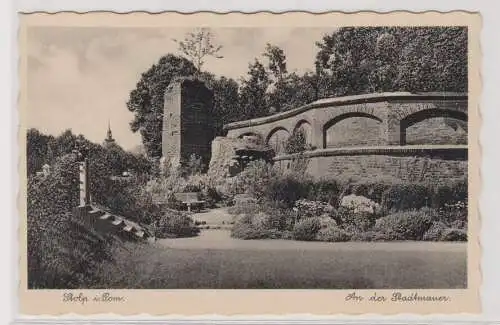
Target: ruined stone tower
x,y
187,121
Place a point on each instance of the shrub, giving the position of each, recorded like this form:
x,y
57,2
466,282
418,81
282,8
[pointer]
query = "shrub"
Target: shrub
x,y
451,234
296,143
286,190
249,226
372,191
287,234
240,208
459,224
454,213
364,236
355,221
62,253
327,191
279,218
307,208
359,204
175,225
434,232
401,197
306,229
193,166
253,180
408,225
131,201
212,196
449,194
333,234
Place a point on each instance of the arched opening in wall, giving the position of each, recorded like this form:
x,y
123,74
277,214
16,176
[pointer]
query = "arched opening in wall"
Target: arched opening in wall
x,y
435,126
354,129
277,139
252,136
306,129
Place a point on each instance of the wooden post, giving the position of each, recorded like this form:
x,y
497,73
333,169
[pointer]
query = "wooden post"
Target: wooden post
x,y
84,183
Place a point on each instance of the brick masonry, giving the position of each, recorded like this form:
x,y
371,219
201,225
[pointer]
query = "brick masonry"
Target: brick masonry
x,y
431,164
373,123
187,123
376,167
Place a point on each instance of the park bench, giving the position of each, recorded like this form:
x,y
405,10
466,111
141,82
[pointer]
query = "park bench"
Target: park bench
x,y
190,200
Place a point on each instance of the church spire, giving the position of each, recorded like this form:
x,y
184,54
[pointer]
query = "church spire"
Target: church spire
x,y
109,138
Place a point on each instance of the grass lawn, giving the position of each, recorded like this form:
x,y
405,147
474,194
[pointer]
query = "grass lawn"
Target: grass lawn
x,y
291,265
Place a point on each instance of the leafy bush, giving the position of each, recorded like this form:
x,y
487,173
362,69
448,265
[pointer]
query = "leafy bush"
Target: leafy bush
x,y
407,225
449,194
253,180
296,142
175,225
306,229
434,232
451,234
249,226
193,166
459,224
286,190
359,204
333,234
365,236
373,191
328,191
454,213
279,218
62,253
307,208
58,192
355,221
131,201
241,208
401,197
211,196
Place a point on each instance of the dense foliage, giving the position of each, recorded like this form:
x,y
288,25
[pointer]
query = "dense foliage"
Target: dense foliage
x,y
380,59
291,206
350,61
62,251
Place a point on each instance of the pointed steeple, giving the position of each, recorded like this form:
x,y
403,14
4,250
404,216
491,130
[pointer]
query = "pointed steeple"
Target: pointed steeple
x,y
109,138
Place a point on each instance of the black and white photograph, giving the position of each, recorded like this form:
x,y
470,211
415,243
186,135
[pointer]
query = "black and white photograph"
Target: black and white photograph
x,y
215,157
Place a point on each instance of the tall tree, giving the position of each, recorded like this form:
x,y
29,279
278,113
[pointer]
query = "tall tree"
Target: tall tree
x,y
289,90
198,45
276,61
226,101
253,91
376,59
146,100
36,150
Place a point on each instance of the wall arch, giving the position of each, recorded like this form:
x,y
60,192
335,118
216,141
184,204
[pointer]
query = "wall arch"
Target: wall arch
x,y
368,124
437,128
307,129
277,138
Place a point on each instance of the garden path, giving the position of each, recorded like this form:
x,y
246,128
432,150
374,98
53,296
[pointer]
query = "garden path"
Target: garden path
x,y
221,239
214,218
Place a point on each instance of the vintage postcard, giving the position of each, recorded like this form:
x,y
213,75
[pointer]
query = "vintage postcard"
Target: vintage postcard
x,y
249,164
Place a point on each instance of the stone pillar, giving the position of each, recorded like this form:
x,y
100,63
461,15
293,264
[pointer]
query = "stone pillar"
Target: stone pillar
x,y
84,183
394,134
392,127
317,134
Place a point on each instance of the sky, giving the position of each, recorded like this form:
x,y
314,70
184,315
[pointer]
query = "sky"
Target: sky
x,y
80,77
